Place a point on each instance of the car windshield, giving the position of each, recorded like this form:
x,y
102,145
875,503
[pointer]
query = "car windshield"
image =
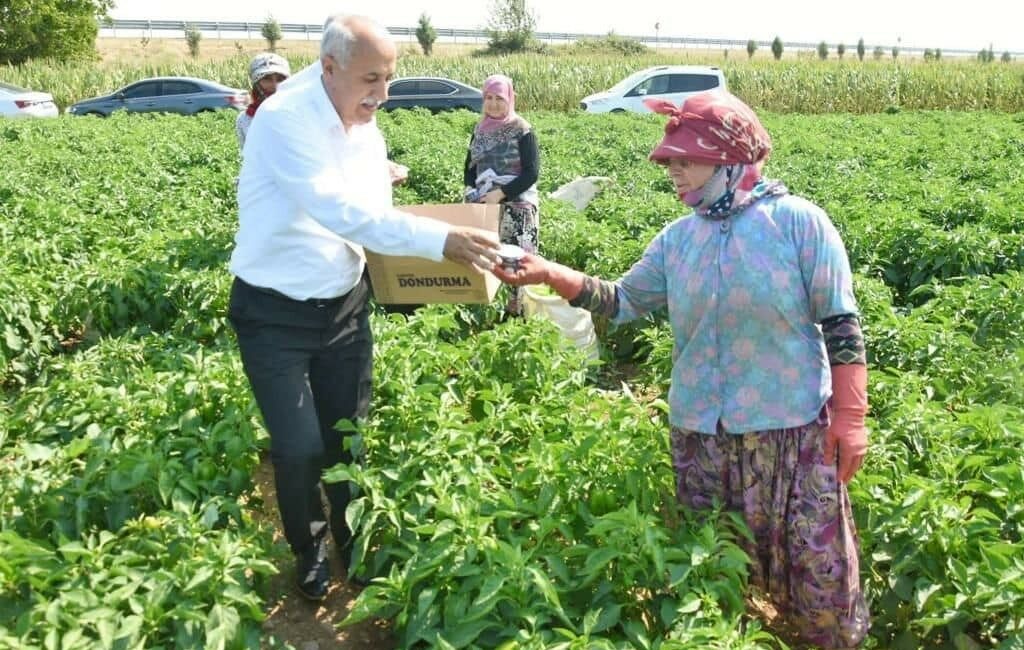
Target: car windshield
x,y
628,83
9,88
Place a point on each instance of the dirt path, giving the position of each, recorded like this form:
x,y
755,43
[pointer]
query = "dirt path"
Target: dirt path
x,y
295,621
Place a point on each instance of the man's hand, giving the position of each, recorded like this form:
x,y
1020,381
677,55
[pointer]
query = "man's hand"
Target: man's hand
x,y
399,173
471,247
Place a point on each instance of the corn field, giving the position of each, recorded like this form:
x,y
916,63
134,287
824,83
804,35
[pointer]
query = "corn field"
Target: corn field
x,y
558,82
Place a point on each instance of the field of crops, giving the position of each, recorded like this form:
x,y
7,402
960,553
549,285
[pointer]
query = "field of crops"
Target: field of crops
x,y
558,82
513,497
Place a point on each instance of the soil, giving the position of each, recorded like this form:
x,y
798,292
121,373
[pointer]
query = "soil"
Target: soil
x,y
296,622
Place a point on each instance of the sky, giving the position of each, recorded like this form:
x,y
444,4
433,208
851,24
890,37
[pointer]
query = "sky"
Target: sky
x,y
911,23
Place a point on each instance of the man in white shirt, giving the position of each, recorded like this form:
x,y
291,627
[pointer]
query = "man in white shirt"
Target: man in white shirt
x,y
399,173
314,189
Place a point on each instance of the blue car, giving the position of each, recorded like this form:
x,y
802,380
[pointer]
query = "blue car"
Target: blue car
x,y
182,95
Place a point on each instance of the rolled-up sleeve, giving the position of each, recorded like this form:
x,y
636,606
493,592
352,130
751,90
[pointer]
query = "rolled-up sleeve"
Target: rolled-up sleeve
x,y
302,168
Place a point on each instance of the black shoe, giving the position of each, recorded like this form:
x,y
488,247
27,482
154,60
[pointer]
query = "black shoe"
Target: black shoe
x,y
313,574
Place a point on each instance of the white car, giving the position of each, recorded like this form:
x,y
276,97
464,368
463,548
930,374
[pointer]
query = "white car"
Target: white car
x,y
18,102
672,82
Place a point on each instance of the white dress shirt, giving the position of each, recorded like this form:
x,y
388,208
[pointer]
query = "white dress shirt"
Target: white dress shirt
x,y
311,195
310,73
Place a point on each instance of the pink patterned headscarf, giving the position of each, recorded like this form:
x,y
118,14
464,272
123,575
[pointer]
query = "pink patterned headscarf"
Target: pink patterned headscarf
x,y
498,84
714,128
717,128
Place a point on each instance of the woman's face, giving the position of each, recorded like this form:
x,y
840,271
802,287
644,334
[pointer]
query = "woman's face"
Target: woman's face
x,y
269,83
495,106
688,176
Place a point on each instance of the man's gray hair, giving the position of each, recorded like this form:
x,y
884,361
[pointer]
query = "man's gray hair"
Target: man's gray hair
x,y
338,40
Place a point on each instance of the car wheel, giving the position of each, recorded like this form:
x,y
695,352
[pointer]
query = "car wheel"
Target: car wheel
x,y
618,110
93,114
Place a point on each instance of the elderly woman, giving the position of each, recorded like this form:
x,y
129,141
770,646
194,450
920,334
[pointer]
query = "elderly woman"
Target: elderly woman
x,y
502,165
769,381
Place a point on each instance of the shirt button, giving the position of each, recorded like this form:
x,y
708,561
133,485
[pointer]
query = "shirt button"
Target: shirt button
x,y
725,227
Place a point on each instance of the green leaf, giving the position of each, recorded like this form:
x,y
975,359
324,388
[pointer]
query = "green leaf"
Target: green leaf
x,y
598,560
71,638
699,555
37,453
637,634
490,589
466,633
221,627
13,341
77,447
548,591
923,594
354,513
201,577
609,618
73,551
369,604
211,515
690,604
106,629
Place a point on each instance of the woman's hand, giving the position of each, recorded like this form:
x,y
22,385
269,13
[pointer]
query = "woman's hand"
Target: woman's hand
x,y
846,441
494,196
532,269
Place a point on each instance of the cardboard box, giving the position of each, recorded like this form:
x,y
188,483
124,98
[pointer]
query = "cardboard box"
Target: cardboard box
x,y
401,280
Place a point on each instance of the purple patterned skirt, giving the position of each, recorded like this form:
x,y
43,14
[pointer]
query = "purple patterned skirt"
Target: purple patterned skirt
x,y
804,553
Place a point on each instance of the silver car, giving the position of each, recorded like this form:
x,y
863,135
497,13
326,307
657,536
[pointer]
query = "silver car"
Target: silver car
x,y
182,95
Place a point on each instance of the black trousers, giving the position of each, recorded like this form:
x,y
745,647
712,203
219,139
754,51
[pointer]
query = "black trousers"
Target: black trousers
x,y
310,364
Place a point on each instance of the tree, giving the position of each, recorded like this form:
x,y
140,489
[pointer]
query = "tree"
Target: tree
x,y
751,48
938,54
426,34
511,26
823,50
860,49
1006,58
840,50
895,51
986,56
271,31
777,48
192,38
61,29
928,54
878,53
